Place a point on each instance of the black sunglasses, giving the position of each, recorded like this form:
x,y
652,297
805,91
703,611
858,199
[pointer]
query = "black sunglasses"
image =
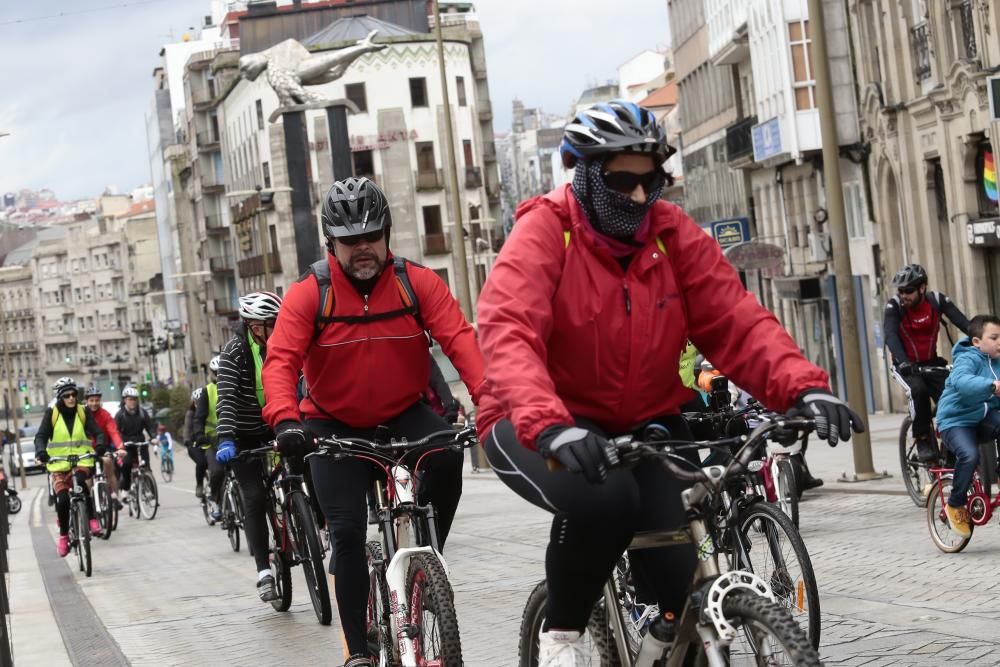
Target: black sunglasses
x,y
907,290
370,237
626,181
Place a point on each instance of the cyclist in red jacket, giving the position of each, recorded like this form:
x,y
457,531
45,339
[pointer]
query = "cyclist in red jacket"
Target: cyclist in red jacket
x,y
365,364
582,324
106,423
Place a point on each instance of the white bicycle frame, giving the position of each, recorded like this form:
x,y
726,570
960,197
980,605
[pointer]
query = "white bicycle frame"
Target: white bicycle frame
x,y
398,566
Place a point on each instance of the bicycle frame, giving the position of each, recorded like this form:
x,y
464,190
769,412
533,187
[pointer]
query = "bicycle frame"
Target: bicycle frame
x,y
979,505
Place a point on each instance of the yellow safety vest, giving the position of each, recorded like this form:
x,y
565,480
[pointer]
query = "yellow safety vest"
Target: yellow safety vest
x,y
212,420
64,443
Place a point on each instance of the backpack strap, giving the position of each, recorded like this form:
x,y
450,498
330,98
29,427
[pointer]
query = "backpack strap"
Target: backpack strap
x,y
324,309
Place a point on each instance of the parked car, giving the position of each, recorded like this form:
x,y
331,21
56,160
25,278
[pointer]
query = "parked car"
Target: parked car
x,y
27,456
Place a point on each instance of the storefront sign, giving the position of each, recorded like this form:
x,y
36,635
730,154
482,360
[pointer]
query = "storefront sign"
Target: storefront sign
x,y
731,232
382,140
755,256
983,232
766,139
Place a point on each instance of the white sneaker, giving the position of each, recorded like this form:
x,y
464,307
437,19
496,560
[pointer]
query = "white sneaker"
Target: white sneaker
x,y
561,648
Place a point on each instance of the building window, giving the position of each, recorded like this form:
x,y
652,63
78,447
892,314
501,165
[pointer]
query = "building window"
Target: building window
x,y
266,170
260,115
460,86
802,70
986,182
921,51
418,92
425,157
364,163
355,92
467,149
432,221
443,275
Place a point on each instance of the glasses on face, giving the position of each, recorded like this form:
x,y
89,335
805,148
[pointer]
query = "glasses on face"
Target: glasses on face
x,y
907,290
71,394
370,237
626,181
262,328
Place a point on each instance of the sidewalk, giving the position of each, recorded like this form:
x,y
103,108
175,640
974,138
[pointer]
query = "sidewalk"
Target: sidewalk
x,y
835,465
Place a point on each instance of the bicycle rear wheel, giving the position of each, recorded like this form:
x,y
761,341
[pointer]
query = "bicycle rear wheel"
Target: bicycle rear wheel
x,y
148,498
105,510
432,612
312,558
915,475
599,644
942,535
166,468
766,633
231,523
770,546
282,580
83,537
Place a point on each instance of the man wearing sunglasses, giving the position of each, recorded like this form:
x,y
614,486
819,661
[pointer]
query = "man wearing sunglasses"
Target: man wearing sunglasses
x,y
582,324
365,364
912,321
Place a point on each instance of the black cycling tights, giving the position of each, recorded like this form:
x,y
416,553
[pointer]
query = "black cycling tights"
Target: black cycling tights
x,y
250,476
341,489
62,503
197,455
128,460
594,524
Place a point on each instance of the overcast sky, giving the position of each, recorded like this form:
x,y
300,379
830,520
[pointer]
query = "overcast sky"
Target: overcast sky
x,y
76,87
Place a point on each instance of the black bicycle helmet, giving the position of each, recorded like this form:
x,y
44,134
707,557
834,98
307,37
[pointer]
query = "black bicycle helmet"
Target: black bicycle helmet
x,y
355,206
618,126
911,275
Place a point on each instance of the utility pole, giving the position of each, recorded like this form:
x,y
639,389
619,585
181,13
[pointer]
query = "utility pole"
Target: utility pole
x,y
864,469
11,406
458,231
264,244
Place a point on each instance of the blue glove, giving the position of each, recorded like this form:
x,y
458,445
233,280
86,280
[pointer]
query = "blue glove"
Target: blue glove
x,y
226,451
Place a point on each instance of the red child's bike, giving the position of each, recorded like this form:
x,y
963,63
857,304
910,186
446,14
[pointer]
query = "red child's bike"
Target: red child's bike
x,y
979,505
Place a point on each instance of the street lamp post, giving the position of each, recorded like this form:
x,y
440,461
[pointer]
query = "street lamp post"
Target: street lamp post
x,y
10,387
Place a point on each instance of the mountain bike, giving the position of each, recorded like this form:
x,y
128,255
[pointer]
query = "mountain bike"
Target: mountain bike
x,y
294,537
730,617
411,606
79,516
232,509
143,499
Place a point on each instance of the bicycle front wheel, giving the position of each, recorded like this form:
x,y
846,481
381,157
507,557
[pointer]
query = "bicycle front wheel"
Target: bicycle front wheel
x,y
312,558
432,612
788,496
83,538
599,645
231,523
148,496
942,535
379,628
167,469
105,510
766,633
771,547
282,580
915,475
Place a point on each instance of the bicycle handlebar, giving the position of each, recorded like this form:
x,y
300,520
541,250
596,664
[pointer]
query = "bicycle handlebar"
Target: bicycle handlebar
x,y
464,438
266,449
69,459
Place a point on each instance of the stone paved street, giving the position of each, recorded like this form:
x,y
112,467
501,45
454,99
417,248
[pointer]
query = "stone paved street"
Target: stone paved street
x,y
171,592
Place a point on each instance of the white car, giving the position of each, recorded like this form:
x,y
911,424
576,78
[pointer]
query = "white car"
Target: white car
x,y
27,457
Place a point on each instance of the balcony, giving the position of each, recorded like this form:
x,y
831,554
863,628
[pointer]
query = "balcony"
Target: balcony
x,y
225,307
429,180
112,334
201,97
254,266
739,141
728,43
20,313
969,49
489,151
478,67
473,177
437,244
207,141
920,39
212,184
213,224
485,112
141,327
220,264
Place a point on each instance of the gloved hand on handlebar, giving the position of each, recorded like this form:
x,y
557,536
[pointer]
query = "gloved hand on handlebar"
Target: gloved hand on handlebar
x,y
226,451
294,439
834,419
101,450
42,456
579,450
905,369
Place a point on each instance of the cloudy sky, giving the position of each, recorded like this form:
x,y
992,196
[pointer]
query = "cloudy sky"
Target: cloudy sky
x,y
76,75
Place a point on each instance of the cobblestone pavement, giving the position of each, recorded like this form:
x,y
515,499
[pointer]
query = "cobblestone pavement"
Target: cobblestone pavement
x,y
171,592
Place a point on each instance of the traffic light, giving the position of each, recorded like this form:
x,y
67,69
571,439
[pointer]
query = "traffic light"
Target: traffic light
x,y
145,393
27,403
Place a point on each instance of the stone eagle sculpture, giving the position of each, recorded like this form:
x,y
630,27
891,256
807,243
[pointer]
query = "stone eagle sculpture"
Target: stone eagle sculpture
x,y
290,66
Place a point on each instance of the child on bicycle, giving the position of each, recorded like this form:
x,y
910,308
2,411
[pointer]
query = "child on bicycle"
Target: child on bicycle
x,y
969,408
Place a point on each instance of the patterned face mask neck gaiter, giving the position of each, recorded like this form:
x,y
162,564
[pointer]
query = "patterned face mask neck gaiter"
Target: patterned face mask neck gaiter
x,y
611,213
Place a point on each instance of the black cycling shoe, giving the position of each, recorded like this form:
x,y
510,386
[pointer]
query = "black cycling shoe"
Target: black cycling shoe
x,y
359,660
811,483
926,451
266,589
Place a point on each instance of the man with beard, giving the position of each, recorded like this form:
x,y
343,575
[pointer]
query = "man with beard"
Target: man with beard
x,y
356,324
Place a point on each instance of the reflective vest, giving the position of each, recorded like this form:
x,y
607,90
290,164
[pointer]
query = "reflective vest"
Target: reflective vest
x,y
212,420
257,366
64,443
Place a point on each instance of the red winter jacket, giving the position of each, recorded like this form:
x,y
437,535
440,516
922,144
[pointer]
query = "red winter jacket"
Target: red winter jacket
x,y
107,424
566,331
366,373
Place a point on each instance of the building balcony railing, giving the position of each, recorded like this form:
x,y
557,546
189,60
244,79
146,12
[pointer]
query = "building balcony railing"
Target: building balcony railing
x,y
141,327
224,307
206,141
489,151
200,96
920,38
739,139
254,266
965,13
112,334
429,180
211,183
437,244
473,177
20,313
213,224
220,264
485,111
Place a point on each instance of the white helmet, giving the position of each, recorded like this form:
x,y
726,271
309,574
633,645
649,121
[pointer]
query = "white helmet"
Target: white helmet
x,y
262,306
130,392
63,385
213,365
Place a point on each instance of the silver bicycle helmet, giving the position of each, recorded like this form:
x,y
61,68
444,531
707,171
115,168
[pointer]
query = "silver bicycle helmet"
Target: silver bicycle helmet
x,y
261,306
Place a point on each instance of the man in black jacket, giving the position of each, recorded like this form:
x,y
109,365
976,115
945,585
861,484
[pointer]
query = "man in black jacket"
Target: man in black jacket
x,y
912,322
132,421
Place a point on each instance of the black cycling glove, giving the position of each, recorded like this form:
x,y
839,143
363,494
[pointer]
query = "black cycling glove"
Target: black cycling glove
x,y
578,450
834,419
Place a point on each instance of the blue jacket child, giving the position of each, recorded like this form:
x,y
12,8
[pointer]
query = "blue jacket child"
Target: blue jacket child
x,y
969,406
